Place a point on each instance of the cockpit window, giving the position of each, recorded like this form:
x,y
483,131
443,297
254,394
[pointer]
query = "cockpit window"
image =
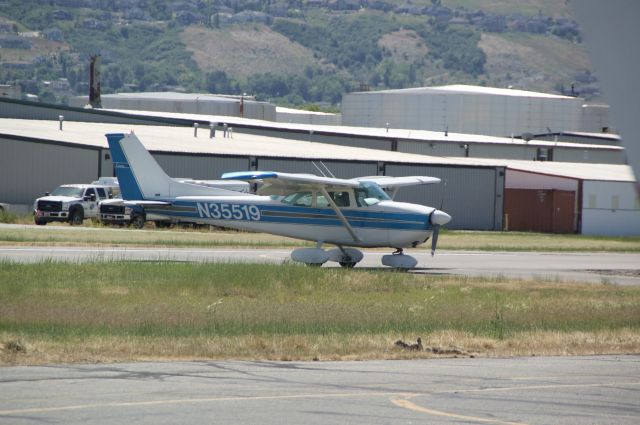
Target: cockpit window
x,y
299,199
369,190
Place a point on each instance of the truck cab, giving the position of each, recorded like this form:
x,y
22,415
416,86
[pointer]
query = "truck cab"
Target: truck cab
x,y
71,203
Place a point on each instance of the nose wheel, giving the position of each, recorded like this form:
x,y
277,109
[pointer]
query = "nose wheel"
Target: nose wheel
x,y
399,260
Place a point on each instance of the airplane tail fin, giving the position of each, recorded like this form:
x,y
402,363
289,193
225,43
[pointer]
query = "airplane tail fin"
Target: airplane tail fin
x,y
141,177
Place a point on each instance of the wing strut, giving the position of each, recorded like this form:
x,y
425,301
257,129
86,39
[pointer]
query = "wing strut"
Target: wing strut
x,y
340,215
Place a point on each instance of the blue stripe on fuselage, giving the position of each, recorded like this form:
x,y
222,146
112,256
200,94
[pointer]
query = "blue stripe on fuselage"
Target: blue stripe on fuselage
x,y
312,216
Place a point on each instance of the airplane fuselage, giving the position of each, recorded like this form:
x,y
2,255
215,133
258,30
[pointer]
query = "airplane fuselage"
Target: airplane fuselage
x,y
387,223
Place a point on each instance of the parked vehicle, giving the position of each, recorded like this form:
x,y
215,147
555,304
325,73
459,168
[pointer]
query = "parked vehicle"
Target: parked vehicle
x,y
114,211
72,203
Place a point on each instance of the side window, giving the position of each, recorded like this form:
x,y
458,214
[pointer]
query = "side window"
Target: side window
x,y
101,193
341,199
299,199
321,201
90,192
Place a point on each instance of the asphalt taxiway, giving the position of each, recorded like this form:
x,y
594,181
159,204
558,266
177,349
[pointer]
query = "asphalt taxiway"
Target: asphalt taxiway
x,y
532,390
614,268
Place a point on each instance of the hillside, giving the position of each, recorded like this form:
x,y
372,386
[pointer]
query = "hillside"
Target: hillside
x,y
293,52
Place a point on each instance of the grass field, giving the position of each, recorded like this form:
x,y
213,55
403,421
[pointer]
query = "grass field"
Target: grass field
x,y
63,234
137,311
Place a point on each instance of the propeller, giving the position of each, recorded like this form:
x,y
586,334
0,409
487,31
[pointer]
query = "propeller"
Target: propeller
x,y
437,218
434,239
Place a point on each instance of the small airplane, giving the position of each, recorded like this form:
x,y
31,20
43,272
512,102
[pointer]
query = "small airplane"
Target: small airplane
x,y
347,213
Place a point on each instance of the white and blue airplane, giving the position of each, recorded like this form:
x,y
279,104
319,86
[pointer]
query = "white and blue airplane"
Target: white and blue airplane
x,y
347,213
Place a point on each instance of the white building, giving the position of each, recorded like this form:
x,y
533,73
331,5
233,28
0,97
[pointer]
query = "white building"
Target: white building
x,y
473,110
189,103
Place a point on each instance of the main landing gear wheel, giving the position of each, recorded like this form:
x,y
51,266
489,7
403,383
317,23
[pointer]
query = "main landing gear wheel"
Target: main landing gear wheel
x,y
346,257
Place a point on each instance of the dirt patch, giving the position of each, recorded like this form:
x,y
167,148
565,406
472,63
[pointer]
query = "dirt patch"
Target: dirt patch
x,y
244,51
532,62
404,45
628,273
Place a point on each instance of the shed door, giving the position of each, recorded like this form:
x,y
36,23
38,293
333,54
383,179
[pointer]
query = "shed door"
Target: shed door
x,y
547,211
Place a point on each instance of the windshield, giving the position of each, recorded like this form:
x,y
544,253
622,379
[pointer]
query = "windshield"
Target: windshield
x,y
370,190
74,192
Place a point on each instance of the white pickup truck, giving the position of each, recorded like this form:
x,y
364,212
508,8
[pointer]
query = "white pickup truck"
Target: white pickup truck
x,y
71,202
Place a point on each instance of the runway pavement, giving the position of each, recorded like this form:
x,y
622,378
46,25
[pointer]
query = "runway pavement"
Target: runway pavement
x,y
533,390
615,268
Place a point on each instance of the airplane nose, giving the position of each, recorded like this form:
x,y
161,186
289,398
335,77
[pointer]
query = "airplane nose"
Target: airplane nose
x,y
439,218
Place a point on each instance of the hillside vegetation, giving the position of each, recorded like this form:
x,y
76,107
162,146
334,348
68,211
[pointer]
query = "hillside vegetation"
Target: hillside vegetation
x,y
291,52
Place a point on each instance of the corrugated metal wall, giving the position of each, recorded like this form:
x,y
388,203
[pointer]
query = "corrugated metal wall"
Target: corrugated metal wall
x,y
432,149
473,196
200,166
28,169
591,156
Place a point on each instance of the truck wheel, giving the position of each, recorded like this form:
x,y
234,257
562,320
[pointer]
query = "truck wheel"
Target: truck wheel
x,y
138,221
76,217
40,222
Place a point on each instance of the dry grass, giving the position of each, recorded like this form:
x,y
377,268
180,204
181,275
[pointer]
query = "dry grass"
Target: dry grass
x,y
137,311
532,61
91,234
116,348
65,235
404,45
254,49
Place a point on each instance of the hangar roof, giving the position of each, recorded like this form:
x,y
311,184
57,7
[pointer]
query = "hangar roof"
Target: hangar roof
x,y
393,133
181,140
572,170
175,96
466,89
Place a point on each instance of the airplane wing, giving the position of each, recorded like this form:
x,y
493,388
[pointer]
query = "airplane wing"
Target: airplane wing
x,y
395,182
276,183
